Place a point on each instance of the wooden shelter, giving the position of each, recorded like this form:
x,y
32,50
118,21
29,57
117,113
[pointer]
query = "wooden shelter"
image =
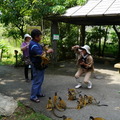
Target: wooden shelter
x,y
94,12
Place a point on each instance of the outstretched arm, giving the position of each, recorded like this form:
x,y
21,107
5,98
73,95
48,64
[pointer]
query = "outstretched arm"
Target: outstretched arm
x,y
76,49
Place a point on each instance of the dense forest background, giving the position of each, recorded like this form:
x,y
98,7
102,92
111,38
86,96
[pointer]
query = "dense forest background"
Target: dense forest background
x,y
16,15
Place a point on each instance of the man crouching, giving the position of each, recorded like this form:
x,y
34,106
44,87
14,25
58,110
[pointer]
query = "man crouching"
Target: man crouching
x,y
84,63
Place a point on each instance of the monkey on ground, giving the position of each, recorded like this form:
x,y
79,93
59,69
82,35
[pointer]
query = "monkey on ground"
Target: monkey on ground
x,y
55,98
61,104
85,100
71,94
97,118
80,102
50,104
65,118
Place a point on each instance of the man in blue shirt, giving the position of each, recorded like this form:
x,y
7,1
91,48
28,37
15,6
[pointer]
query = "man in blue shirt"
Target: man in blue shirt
x,y
35,51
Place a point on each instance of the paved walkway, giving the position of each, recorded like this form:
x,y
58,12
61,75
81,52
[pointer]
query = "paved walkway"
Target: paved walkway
x,y
106,84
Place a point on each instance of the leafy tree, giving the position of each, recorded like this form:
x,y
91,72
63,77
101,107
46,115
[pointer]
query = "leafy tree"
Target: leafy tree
x,y
94,37
19,13
118,35
15,13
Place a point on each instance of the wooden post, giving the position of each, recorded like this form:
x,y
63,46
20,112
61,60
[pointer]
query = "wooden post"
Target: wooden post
x,y
16,57
54,31
82,35
1,54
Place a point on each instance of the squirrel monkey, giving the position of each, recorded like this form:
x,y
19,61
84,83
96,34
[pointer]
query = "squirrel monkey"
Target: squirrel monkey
x,y
55,98
85,101
45,58
61,104
65,118
80,102
90,99
97,118
71,94
81,99
50,104
80,105
51,107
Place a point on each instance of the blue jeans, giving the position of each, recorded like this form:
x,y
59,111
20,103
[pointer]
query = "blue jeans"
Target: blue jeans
x,y
37,80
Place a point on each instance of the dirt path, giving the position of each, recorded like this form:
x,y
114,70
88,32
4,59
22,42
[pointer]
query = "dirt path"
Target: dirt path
x,y
106,84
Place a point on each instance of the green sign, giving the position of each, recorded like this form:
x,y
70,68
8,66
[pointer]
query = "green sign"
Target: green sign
x,y
56,37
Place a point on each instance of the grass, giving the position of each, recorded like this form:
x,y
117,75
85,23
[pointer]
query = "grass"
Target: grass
x,y
9,59
25,113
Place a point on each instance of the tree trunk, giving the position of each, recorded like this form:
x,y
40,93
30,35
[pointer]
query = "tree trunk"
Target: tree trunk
x,y
104,41
82,35
99,53
42,26
99,40
118,34
78,39
22,33
1,54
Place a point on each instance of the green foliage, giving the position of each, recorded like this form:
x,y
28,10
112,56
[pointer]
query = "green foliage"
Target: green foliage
x,y
58,9
95,38
35,116
113,37
14,13
71,3
94,34
20,104
68,38
81,2
3,47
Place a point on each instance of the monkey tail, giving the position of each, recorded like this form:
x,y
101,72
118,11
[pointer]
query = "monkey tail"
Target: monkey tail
x,y
61,110
53,111
102,104
71,107
98,103
78,92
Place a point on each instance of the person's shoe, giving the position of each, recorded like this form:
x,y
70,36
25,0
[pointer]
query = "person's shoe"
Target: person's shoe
x,y
35,100
89,85
78,86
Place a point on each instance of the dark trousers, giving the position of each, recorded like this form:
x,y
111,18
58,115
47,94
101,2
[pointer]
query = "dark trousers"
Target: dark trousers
x,y
26,69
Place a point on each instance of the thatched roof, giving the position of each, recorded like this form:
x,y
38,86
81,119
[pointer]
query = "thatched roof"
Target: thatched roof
x,y
94,12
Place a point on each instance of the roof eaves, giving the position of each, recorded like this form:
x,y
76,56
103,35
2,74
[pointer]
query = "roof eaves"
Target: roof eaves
x,y
94,7
109,6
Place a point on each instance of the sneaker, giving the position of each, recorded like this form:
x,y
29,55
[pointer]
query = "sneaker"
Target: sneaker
x,y
89,85
78,86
